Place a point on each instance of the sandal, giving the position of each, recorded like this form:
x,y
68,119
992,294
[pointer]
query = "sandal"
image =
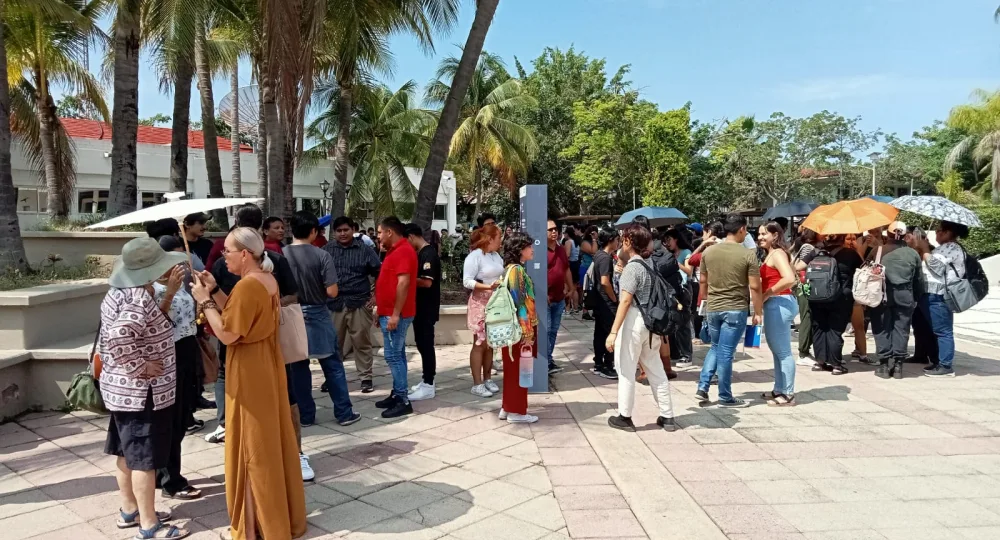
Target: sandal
x,y
839,370
187,494
769,396
822,367
781,400
162,531
126,521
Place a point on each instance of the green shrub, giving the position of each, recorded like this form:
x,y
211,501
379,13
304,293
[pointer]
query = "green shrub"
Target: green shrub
x,y
985,241
80,223
11,280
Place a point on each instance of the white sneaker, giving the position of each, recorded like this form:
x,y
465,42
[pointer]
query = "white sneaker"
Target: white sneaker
x,y
805,361
481,391
307,471
503,414
217,436
421,391
521,418
491,386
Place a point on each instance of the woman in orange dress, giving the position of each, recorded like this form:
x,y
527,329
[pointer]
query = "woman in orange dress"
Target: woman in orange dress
x,y
264,489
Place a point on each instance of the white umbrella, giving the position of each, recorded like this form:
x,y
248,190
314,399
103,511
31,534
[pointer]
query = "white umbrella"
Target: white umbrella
x,y
174,209
937,208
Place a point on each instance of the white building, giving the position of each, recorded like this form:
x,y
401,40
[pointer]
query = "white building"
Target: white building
x,y
93,174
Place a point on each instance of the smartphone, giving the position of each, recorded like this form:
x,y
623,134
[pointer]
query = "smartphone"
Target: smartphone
x,y
702,309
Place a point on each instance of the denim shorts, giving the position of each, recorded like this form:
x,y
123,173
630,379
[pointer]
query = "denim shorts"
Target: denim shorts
x,y
320,332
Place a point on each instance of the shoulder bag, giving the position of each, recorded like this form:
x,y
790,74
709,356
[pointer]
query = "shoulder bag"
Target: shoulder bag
x,y
292,334
84,391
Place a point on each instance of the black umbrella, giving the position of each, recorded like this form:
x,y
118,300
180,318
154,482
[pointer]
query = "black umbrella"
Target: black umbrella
x,y
790,209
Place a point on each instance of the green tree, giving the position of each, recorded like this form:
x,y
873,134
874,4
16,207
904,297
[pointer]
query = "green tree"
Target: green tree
x,y
388,133
76,106
981,120
558,80
488,138
160,118
46,47
666,140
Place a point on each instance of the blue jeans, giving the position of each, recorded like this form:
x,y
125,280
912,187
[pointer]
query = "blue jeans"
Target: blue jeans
x,y
726,328
394,346
942,321
555,319
779,313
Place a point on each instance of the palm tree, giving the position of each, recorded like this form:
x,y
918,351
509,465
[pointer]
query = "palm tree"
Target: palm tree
x,y
45,48
982,120
356,45
12,256
122,197
441,144
488,136
387,134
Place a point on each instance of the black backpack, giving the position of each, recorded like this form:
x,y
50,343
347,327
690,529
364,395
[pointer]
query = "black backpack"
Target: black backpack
x,y
976,276
661,314
590,284
823,283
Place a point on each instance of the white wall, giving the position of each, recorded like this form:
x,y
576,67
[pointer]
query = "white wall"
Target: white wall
x,y
94,173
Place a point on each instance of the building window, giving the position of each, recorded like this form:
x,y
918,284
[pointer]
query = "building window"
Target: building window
x,y
441,212
151,198
313,206
31,200
92,201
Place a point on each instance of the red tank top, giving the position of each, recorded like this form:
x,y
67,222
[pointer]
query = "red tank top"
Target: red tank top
x,y
770,275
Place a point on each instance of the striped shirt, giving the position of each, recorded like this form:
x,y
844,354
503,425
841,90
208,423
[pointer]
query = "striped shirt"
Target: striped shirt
x,y
356,264
134,331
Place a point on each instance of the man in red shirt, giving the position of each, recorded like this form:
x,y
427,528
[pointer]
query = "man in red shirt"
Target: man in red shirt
x,y
396,304
560,287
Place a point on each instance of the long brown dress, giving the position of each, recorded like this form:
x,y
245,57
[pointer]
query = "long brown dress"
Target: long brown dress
x,y
262,454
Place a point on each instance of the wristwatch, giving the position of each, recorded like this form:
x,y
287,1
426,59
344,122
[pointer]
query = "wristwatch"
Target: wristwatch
x,y
215,290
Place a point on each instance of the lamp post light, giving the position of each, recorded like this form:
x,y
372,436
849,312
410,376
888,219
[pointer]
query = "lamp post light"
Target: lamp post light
x,y
874,157
324,186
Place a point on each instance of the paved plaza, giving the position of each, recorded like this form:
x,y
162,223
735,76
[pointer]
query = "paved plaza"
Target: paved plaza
x,y
860,458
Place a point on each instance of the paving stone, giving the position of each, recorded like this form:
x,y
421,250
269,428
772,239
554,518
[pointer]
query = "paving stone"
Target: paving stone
x,y
760,470
395,528
534,478
452,480
589,497
361,483
735,518
543,511
726,492
569,456
497,495
403,497
847,490
53,518
495,466
448,514
348,517
501,527
410,467
578,475
602,523
24,502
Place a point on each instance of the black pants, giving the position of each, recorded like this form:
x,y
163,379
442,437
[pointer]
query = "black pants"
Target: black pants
x,y
220,387
681,345
604,318
926,347
891,326
423,334
188,355
829,320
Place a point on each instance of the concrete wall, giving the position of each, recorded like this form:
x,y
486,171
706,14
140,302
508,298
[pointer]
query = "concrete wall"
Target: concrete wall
x,y
73,248
35,317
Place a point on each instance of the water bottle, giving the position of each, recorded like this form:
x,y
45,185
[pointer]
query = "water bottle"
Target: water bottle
x,y
526,368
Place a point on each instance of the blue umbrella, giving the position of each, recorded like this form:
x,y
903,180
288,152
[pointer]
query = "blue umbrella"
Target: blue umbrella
x,y
881,198
325,220
658,216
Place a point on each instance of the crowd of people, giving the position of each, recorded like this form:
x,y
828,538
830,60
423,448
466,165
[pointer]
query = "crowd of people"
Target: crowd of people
x,y
650,292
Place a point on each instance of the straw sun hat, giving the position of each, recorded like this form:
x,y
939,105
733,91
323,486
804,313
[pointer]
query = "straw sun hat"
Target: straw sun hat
x,y
143,261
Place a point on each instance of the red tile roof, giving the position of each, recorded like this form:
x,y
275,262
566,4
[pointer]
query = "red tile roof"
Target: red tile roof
x,y
93,129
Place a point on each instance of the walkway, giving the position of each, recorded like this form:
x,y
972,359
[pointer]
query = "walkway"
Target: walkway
x,y
859,458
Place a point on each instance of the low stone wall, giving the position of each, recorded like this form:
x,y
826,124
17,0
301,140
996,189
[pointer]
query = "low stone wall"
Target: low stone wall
x,y
34,317
451,329
73,248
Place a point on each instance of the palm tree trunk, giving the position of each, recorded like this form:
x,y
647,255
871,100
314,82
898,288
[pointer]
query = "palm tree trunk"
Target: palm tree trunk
x,y
275,147
234,139
478,177
341,157
56,198
996,175
261,144
12,255
125,115
209,133
288,203
430,182
181,124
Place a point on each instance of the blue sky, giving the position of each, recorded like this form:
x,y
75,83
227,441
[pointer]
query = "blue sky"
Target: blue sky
x,y
899,64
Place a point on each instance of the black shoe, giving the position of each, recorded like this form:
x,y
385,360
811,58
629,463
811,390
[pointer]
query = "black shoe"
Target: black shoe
x,y
367,387
354,418
553,369
666,423
623,423
586,316
897,369
931,367
204,403
702,396
915,360
940,371
884,371
387,402
608,373
196,426
868,360
736,403
398,409
306,423
324,388
822,367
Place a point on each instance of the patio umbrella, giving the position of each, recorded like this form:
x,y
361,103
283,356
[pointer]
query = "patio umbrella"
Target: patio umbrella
x,y
790,209
847,217
937,208
658,216
880,198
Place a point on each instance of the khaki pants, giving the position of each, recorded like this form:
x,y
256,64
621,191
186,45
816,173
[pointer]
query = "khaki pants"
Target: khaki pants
x,y
354,327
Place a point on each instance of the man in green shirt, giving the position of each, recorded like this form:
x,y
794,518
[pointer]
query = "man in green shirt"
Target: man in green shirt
x,y
730,278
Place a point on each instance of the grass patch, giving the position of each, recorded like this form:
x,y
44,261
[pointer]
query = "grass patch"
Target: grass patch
x,y
54,274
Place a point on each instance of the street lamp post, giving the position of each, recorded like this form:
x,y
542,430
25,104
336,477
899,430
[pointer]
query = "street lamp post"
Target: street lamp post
x,y
324,186
874,157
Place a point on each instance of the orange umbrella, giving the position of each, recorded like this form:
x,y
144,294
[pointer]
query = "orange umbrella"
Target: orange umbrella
x,y
846,217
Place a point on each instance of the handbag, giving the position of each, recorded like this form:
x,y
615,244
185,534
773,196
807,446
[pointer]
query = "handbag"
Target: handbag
x,y
958,295
84,391
869,282
292,334
209,359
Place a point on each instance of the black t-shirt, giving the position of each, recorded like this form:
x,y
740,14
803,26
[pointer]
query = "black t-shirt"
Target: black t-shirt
x,y
283,274
604,265
429,298
201,247
848,261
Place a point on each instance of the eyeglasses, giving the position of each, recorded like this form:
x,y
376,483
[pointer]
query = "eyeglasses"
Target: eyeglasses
x,y
226,251
553,229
